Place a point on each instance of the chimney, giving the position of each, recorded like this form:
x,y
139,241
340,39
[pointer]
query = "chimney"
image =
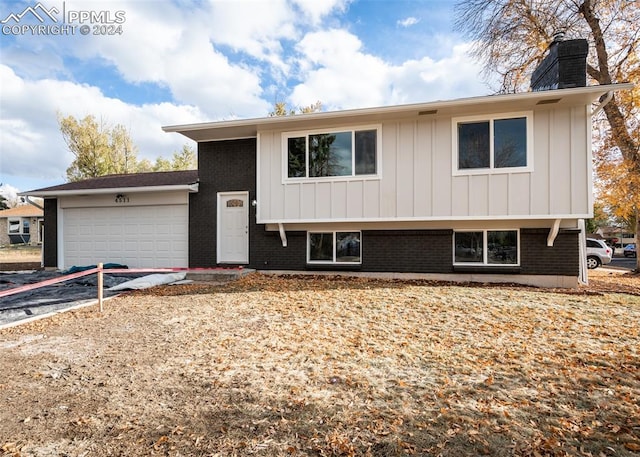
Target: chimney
x,y
564,66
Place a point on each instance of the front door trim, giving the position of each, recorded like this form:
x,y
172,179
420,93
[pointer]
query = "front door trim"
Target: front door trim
x,y
239,254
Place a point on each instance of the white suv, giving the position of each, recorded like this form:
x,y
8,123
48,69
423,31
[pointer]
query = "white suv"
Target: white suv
x,y
598,253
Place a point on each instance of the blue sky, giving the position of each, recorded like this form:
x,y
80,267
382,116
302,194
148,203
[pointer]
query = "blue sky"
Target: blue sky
x,y
178,62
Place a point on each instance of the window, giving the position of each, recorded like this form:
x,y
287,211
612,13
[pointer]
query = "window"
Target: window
x,y
19,226
322,154
486,247
235,203
496,143
334,247
14,226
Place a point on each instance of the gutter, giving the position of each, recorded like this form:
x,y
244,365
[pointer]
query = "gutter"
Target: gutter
x,y
192,188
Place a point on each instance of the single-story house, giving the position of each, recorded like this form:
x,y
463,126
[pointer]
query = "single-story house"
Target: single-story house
x,y
492,188
615,236
21,225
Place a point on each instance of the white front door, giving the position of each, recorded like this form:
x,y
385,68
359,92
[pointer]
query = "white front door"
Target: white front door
x,y
233,227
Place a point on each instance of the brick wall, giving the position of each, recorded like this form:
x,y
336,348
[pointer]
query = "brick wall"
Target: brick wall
x,y
267,252
416,251
424,251
564,66
223,166
536,258
50,233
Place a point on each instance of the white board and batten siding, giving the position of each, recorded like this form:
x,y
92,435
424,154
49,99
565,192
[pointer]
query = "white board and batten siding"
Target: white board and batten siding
x,y
416,181
144,231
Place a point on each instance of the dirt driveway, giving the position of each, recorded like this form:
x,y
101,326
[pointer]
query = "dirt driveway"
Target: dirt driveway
x,y
276,366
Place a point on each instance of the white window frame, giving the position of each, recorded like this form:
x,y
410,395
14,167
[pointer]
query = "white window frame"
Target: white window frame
x,y
352,176
15,220
485,250
491,169
333,261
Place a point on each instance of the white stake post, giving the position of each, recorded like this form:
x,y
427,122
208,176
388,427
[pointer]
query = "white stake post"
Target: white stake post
x,y
100,284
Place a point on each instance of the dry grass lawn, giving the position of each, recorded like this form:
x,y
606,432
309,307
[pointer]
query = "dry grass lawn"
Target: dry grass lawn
x,y
275,366
20,254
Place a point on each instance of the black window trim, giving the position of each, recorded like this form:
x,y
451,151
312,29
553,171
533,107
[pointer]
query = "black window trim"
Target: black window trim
x,y
333,261
347,128
485,262
455,121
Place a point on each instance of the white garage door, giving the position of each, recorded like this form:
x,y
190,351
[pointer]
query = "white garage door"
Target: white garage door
x,y
136,236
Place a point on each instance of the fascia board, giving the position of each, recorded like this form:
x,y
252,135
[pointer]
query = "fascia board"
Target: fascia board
x,y
118,190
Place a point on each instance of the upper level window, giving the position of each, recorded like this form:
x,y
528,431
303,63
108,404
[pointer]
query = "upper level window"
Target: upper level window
x,y
499,143
330,153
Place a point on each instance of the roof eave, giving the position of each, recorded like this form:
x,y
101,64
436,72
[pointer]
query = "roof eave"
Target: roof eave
x,y
246,128
191,188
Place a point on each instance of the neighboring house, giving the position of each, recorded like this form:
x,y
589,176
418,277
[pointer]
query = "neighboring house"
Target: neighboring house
x,y
21,225
616,236
491,188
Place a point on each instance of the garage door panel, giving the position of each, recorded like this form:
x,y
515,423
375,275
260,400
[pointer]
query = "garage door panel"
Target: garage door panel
x,y
140,237
101,246
163,246
146,230
102,229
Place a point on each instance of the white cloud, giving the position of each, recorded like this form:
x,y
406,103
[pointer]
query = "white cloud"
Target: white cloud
x,y
217,60
315,10
31,144
408,22
174,47
212,54
336,71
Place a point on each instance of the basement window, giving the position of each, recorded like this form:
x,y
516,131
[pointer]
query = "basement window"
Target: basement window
x,y
334,247
486,247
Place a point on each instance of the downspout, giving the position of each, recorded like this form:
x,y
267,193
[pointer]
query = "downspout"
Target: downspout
x,y
583,275
582,240
603,103
31,202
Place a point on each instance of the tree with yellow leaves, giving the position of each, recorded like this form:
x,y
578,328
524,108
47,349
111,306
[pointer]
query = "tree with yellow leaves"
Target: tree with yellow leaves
x,y
281,109
511,38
